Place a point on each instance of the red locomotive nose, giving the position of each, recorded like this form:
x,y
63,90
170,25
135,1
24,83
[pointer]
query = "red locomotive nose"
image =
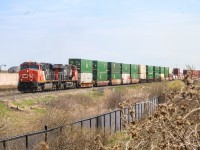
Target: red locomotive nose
x,y
28,75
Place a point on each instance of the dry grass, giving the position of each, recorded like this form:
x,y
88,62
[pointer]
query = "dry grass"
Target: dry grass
x,y
175,124
33,114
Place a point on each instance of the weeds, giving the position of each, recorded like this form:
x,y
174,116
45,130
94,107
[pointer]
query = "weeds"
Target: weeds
x,y
175,124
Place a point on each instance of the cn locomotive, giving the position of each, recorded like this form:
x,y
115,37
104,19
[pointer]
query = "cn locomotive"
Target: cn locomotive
x,y
34,76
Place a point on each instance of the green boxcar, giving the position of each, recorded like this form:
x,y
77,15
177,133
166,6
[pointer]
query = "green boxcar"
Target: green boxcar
x,y
134,69
149,72
156,69
100,71
134,76
114,67
100,66
112,76
162,70
126,68
166,72
157,75
156,72
83,65
150,76
100,77
149,69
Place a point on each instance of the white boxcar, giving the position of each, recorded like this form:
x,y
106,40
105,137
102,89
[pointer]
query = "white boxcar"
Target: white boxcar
x,y
170,70
142,69
162,76
126,78
85,77
142,76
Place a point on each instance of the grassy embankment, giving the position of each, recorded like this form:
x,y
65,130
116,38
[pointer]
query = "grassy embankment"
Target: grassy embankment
x,y
30,114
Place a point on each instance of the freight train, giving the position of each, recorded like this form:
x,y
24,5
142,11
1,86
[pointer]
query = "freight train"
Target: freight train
x,y
34,76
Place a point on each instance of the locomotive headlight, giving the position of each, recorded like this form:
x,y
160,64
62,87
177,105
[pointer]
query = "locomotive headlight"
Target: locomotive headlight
x,y
27,71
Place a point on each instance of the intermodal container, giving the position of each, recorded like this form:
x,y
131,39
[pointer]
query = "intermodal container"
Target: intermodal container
x,y
100,76
100,66
126,68
198,73
149,69
184,72
150,76
166,69
83,65
142,69
85,77
194,73
157,76
142,76
134,69
162,76
156,69
149,72
115,78
156,73
170,70
114,67
134,78
176,71
162,70
126,73
126,78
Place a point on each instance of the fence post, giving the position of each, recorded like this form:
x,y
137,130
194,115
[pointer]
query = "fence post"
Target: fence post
x,y
136,111
45,127
104,123
26,141
115,121
97,121
128,113
81,125
4,145
90,123
140,110
120,121
110,124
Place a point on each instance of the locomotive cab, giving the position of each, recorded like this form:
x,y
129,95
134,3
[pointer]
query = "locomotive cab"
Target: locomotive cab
x,y
29,75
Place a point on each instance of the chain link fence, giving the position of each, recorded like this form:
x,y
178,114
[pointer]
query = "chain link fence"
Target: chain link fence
x,y
111,122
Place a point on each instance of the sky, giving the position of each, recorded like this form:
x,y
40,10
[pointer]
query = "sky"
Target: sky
x,y
151,32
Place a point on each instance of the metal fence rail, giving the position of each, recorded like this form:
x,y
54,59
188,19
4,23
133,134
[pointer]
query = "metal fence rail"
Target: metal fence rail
x,y
11,143
111,121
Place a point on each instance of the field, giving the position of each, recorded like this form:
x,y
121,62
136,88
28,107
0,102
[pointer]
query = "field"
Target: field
x,y
22,114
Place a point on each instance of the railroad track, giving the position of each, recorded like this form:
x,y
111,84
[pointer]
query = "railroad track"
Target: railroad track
x,y
14,94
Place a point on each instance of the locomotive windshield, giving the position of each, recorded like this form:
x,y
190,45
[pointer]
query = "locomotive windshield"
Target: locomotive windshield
x,y
24,67
36,67
31,66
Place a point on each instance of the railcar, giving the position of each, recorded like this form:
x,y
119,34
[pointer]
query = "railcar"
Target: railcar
x,y
34,76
